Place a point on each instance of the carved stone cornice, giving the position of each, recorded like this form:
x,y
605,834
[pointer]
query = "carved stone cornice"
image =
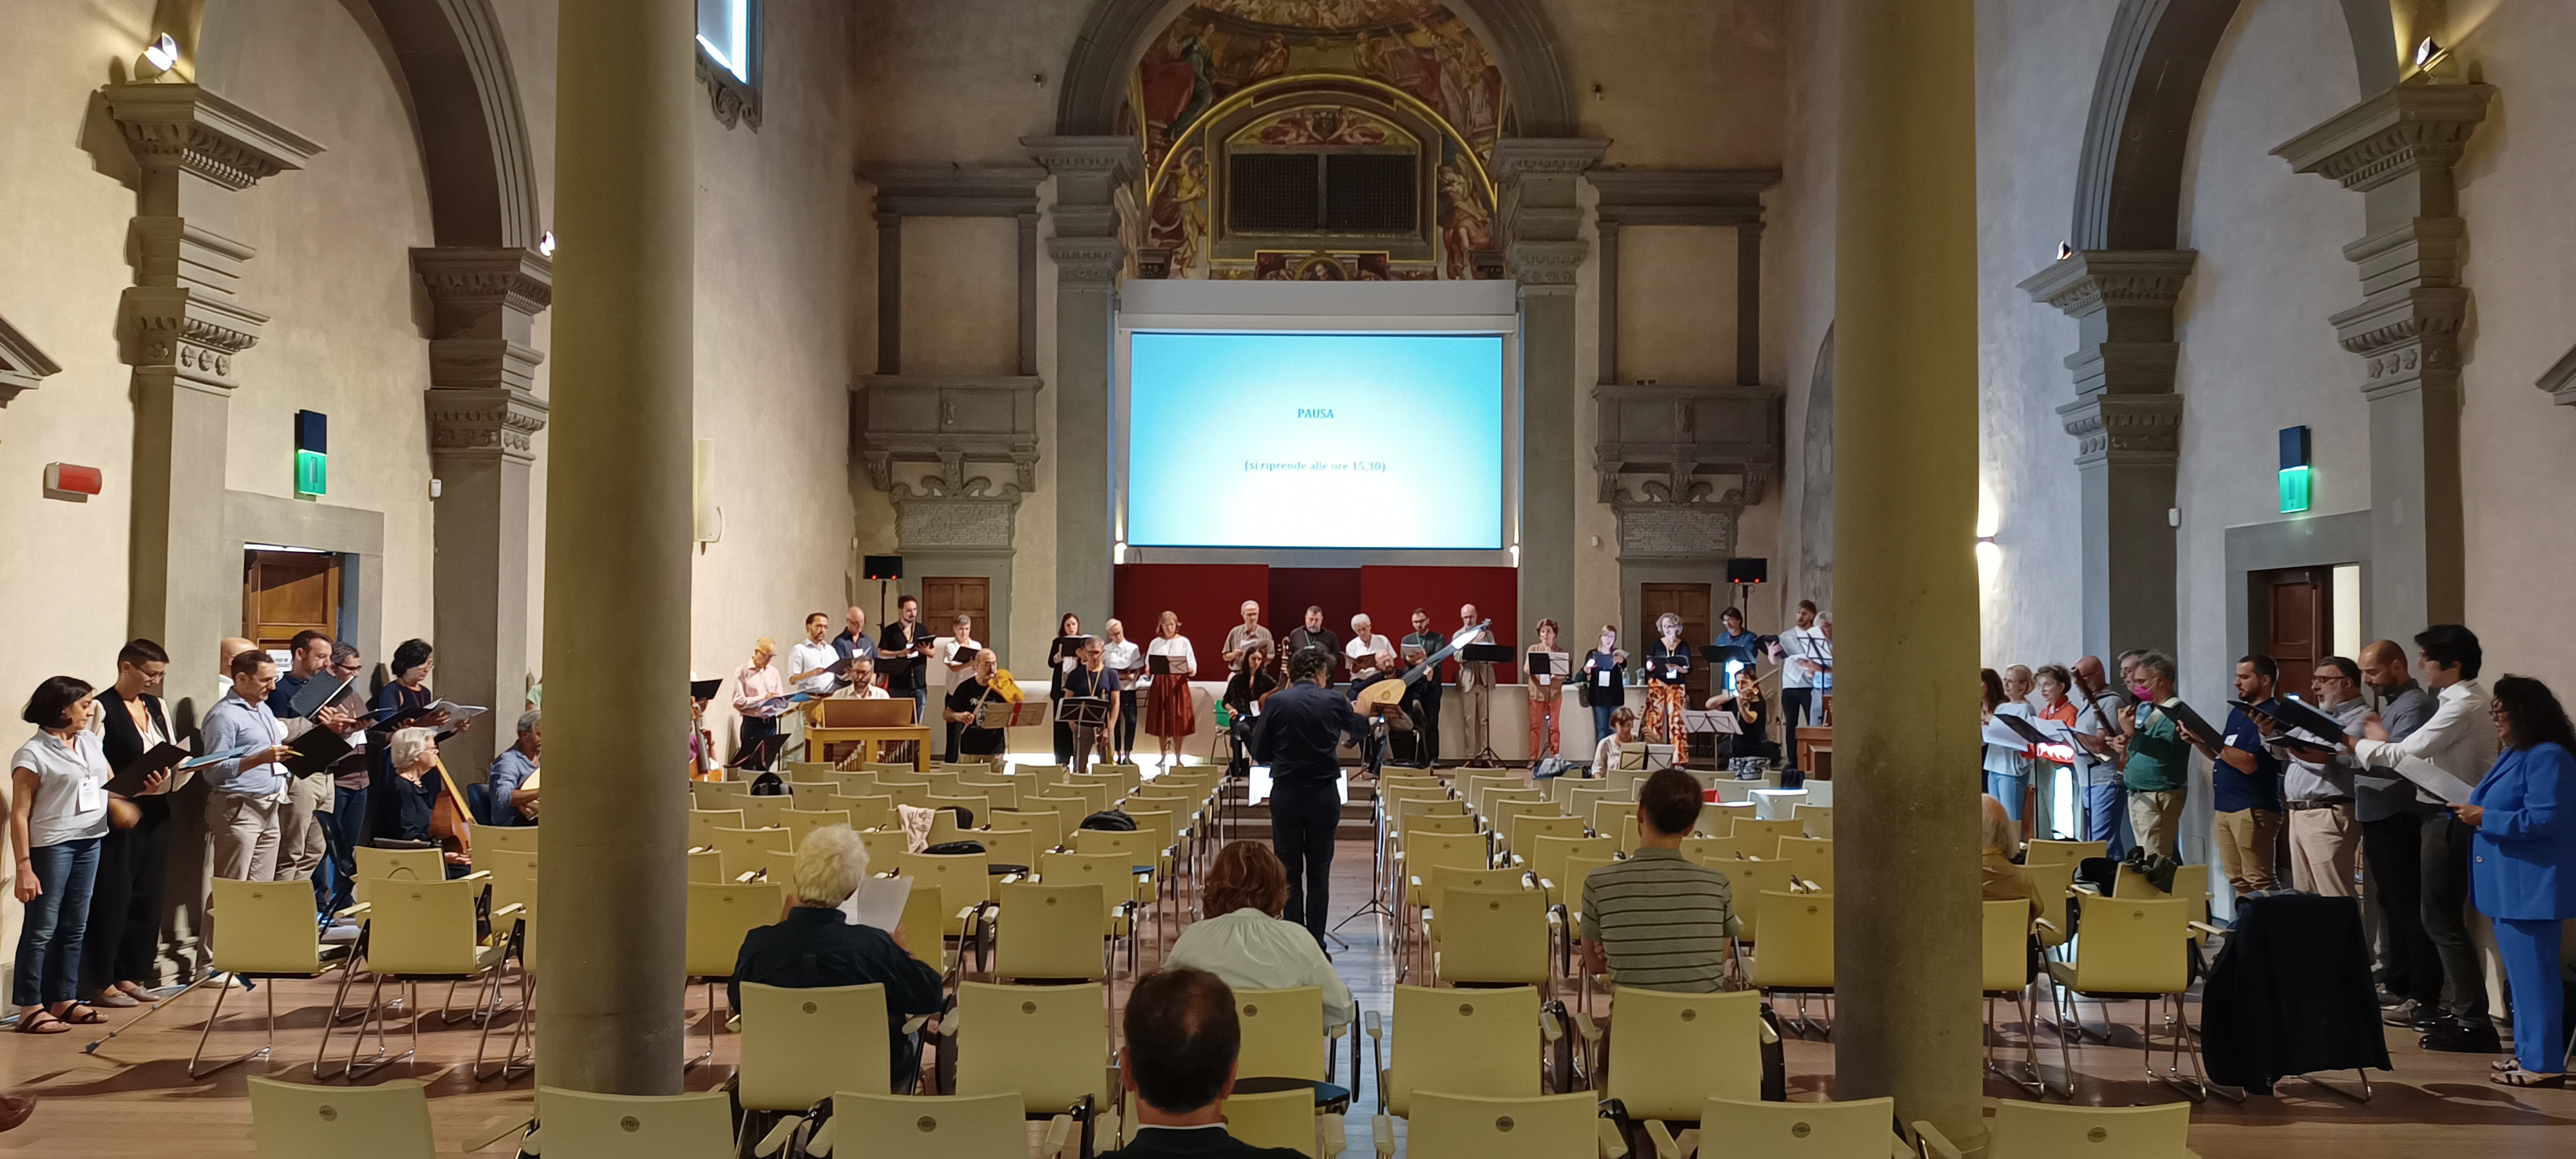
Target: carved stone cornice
x,y
2122,302
971,515
1523,156
732,101
1703,197
919,189
187,128
22,366
467,283
2402,130
1088,260
187,333
1547,263
483,422
949,420
2095,280
2125,429
1682,435
1652,531
2560,381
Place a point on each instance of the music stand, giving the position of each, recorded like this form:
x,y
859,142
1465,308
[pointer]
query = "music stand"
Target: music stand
x,y
1484,757
1083,711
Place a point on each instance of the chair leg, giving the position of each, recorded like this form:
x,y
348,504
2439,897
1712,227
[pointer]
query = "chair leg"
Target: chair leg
x,y
218,1013
710,1051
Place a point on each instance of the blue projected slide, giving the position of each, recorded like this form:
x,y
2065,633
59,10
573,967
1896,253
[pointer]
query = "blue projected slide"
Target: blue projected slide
x,y
1315,440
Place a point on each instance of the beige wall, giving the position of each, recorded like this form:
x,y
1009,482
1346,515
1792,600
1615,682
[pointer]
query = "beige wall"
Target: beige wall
x,y
1682,82
1798,269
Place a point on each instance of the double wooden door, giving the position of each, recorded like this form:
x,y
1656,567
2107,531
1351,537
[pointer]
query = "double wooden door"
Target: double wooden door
x,y
944,598
1691,603
2298,606
286,592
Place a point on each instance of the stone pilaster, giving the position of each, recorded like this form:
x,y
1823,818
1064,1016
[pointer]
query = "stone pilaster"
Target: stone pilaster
x,y
482,422
1542,228
22,366
2127,422
1090,256
2397,150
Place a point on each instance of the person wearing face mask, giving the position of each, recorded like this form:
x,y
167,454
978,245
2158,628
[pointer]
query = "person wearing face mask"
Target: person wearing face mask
x,y
2155,758
1605,681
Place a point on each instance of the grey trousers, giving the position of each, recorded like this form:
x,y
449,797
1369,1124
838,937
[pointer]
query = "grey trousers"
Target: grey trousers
x,y
2446,918
300,847
242,831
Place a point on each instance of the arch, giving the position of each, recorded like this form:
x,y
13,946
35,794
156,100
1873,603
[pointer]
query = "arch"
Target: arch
x,y
1516,32
2128,182
1816,474
464,97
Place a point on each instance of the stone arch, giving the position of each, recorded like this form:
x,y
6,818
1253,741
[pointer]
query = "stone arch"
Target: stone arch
x,y
1516,32
466,111
1816,489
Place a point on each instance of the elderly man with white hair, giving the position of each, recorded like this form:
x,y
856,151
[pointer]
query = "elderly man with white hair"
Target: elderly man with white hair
x,y
512,802
1368,651
815,945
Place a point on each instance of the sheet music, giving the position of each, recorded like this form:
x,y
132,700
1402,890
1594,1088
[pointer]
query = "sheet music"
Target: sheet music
x,y
878,902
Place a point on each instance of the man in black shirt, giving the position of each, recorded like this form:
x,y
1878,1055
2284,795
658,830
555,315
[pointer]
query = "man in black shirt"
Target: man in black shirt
x,y
1300,737
815,945
964,698
1313,636
903,654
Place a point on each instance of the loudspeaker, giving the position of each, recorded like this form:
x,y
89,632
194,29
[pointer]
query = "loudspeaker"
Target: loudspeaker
x,y
1748,571
883,567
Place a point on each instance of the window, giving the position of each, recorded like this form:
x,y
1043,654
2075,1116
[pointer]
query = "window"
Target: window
x,y
1323,191
729,58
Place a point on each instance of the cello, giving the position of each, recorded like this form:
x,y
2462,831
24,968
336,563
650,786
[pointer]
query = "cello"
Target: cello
x,y
451,824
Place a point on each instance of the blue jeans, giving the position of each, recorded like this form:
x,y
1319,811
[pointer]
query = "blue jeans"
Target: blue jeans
x,y
2109,806
2530,953
2008,790
342,832
49,944
1601,726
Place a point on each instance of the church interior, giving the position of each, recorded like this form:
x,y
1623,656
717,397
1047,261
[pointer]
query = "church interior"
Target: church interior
x,y
1335,464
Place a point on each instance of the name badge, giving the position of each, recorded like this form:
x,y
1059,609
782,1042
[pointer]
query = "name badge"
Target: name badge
x,y
1604,677
92,795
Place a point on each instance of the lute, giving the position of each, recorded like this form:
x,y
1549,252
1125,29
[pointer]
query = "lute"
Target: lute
x,y
1391,691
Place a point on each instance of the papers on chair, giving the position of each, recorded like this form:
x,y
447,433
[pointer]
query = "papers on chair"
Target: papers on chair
x,y
879,902
1715,720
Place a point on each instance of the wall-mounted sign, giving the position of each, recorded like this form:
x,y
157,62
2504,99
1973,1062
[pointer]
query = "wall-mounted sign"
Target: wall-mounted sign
x,y
312,454
2295,470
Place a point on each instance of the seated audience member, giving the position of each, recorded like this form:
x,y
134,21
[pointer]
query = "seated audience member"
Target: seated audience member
x,y
1752,720
2523,871
415,788
1182,1039
1244,941
512,805
2001,844
814,945
1657,921
1605,756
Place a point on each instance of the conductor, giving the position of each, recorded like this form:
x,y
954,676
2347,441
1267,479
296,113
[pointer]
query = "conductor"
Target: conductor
x,y
1300,736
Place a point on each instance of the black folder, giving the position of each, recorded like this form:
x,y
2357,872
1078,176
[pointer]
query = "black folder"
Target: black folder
x,y
705,689
128,781
316,751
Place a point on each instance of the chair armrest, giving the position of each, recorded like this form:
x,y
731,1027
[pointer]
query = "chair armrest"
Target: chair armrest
x,y
2206,930
1058,1130
1336,1137
819,1146
1585,1028
507,910
2045,924
1548,886
359,910
708,848
1614,1145
1372,1024
477,875
1768,1035
777,1138
914,1024
1548,1026
495,1129
1382,1134
1666,1147
1015,878
1935,1145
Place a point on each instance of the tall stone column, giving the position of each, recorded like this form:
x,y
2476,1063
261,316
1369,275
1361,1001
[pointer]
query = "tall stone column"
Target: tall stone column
x,y
1089,257
1905,459
2127,422
2397,149
482,418
617,549
1542,179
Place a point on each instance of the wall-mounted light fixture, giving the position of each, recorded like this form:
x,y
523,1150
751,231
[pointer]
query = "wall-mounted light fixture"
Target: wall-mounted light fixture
x,y
159,57
2295,470
546,245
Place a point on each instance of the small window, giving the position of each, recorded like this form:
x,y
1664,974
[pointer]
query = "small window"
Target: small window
x,y
729,58
1314,191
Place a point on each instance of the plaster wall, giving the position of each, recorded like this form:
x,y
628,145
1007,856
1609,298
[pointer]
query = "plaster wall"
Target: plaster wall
x,y
1676,304
960,80
1679,82
960,295
528,34
1798,267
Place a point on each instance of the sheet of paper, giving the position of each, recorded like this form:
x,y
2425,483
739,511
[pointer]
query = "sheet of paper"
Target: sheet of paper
x,y
2448,789
2001,735
457,714
879,902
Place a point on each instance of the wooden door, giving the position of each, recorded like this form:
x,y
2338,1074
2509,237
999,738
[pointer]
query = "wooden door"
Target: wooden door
x,y
2297,603
1690,602
944,598
286,592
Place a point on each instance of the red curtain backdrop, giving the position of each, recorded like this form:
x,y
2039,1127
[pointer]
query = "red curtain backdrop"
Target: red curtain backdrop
x,y
1206,596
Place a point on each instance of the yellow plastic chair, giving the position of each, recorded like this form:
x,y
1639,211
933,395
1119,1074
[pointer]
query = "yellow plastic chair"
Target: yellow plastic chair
x,y
1049,932
932,1127
1796,953
703,824
885,846
1608,811
800,822
718,917
1045,774
1526,828
1474,1042
1489,937
770,851
1044,826
1547,859
1718,819
1711,850
1571,891
913,793
1095,797
763,812
582,1125
2054,886
2026,1130
1674,1051
1122,890
800,1046
1280,1034
2063,852
1761,837
853,784
510,838
2006,975
868,812
1746,882
1048,1043
430,931
811,794
1790,847
376,865
1068,807
2190,883
1008,846
964,880
1859,1129
1142,849
1001,791
1447,1126
2134,949
1819,819
1281,1119
925,917
706,867
263,930
388,1120
716,794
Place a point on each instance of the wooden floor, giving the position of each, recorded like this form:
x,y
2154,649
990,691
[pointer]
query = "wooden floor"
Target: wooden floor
x,y
132,1097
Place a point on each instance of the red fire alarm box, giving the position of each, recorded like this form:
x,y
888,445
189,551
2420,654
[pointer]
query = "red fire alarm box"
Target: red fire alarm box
x,y
70,481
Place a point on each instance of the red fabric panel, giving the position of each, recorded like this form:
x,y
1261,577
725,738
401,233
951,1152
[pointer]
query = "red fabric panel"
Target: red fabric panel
x,y
1206,596
1335,589
1389,595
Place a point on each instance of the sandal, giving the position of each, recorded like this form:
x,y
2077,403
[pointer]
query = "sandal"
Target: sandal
x,y
2503,1064
2518,1077
80,1015
42,1022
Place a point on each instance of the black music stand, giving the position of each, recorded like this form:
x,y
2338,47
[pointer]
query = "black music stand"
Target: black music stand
x,y
1484,757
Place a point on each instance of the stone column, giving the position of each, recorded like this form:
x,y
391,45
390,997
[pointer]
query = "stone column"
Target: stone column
x,y
2127,422
1089,257
2397,150
482,418
1905,456
617,549
1542,187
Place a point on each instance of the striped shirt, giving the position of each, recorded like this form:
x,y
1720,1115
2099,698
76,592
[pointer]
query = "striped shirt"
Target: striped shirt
x,y
1662,921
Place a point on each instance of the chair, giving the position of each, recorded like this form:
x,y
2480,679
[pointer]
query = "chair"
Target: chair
x,y
703,824
264,930
1283,1119
388,1120
2190,882
770,851
763,812
1094,796
2133,949
1796,954
1859,1129
1607,812
811,794
1494,937
430,931
1711,850
1674,1051
512,838
718,917
376,865
1762,837
581,1125
1528,827
1819,819
2054,886
1747,881
1045,774
716,794
2025,1130
1008,847
1048,1043
706,866
2063,852
1049,932
1045,826
964,879
800,1046
1447,1126
1471,1042
933,1127
855,784
2007,974
1547,857
1123,891
1281,1038
799,822
1003,792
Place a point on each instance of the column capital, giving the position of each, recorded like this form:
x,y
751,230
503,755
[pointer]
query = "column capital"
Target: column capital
x,y
188,334
1087,260
187,127
2125,429
2091,281
2403,130
22,366
1118,157
1523,156
494,422
467,284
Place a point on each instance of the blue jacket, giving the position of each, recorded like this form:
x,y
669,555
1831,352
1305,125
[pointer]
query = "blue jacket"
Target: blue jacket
x,y
2525,849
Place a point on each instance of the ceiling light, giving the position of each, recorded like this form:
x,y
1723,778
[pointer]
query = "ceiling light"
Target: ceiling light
x,y
2065,250
546,245
163,52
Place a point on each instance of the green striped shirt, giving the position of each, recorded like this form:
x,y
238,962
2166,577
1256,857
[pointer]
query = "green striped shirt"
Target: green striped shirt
x,y
1662,921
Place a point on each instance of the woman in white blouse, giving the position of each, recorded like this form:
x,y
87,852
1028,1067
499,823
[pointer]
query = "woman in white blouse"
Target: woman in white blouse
x,y
1169,714
57,814
1244,941
1125,658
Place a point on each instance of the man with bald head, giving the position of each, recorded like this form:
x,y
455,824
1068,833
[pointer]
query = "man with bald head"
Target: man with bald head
x,y
2392,816
1475,689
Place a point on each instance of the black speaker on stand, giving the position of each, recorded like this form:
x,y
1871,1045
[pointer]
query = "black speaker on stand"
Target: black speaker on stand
x,y
884,569
1744,572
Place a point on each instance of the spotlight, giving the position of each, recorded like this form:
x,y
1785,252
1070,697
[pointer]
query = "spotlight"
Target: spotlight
x,y
2065,250
2429,53
546,245
163,52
